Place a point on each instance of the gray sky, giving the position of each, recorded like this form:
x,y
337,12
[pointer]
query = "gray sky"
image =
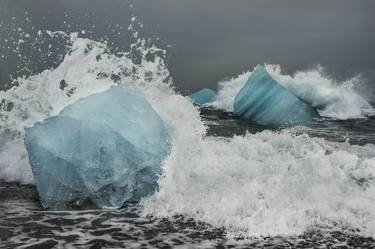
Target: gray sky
x,y
214,39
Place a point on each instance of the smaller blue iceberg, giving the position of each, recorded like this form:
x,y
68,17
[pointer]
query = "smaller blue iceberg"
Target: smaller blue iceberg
x,y
101,151
203,96
266,102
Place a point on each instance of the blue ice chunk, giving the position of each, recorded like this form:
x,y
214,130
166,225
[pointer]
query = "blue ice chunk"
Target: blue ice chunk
x,y
203,96
266,102
101,151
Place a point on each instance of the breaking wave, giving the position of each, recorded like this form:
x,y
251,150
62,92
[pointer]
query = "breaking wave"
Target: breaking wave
x,y
337,100
270,183
87,68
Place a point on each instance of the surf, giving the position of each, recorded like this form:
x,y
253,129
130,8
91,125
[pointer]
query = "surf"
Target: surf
x,y
268,183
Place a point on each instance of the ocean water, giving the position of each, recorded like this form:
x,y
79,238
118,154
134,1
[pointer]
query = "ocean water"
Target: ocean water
x,y
226,183
24,224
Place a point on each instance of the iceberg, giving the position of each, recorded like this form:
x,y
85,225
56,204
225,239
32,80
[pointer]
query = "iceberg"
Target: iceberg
x,y
264,101
101,151
203,96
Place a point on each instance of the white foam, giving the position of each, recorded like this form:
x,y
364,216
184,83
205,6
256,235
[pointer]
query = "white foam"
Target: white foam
x,y
40,96
227,91
263,184
338,100
269,184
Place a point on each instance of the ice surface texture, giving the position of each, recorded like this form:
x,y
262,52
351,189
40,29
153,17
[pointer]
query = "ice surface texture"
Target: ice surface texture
x,y
265,101
203,96
101,151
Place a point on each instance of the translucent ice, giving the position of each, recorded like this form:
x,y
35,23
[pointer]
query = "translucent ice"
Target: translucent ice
x,y
101,151
265,101
203,96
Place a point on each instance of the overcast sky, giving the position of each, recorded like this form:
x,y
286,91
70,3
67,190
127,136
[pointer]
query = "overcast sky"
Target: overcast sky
x,y
214,39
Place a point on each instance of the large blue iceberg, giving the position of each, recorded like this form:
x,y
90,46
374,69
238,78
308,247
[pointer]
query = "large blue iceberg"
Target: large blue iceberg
x,y
101,151
266,102
203,96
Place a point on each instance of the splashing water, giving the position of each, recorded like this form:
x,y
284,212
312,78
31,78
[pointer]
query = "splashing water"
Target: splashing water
x,y
270,183
87,68
332,99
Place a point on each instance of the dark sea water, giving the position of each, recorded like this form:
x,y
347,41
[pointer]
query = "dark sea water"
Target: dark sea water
x,y
24,224
353,131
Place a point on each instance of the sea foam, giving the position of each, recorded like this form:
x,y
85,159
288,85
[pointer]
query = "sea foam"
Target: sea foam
x,y
270,183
